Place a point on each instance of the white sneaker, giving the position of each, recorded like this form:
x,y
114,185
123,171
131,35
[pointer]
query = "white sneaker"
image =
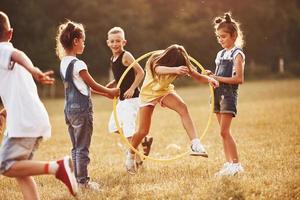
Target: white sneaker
x,y
224,168
198,149
91,186
231,170
130,163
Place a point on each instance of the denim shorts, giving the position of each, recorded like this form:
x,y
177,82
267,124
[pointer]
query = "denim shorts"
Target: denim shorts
x,y
225,100
16,149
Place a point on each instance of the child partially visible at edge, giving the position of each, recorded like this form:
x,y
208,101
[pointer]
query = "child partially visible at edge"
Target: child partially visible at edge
x,y
128,104
78,105
230,62
27,120
162,68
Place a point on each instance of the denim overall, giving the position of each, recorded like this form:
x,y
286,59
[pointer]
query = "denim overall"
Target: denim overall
x,y
226,94
79,118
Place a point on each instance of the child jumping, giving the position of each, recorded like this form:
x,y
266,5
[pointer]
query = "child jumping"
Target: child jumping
x,y
27,120
229,72
128,104
78,106
161,70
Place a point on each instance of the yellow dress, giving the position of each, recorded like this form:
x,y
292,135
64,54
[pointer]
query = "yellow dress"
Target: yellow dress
x,y
156,86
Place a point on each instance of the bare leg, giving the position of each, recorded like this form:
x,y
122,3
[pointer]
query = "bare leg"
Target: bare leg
x,y
28,188
226,151
144,125
230,149
26,168
23,170
175,102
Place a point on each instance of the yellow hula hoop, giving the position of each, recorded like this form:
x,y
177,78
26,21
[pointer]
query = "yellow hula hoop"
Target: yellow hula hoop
x,y
124,139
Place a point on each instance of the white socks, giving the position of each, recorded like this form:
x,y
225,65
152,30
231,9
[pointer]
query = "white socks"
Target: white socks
x,y
52,167
195,141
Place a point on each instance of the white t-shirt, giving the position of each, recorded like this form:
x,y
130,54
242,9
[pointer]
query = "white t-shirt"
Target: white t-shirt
x,y
227,55
26,114
78,66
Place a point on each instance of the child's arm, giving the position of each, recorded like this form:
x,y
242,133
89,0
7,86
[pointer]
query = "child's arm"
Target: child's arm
x,y
111,77
102,94
238,78
203,78
22,59
208,72
128,59
96,87
111,84
180,70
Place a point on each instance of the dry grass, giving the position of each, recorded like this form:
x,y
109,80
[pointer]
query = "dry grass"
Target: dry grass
x,y
266,130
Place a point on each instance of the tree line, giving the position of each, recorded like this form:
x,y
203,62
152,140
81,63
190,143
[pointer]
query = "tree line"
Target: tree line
x,y
271,29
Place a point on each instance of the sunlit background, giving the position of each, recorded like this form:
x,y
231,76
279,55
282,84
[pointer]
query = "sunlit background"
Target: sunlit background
x,y
271,28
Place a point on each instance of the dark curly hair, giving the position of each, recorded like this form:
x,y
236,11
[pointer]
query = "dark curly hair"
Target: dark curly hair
x,y
66,34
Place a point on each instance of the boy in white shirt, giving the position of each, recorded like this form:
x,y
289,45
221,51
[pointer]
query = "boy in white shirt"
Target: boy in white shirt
x,y
27,121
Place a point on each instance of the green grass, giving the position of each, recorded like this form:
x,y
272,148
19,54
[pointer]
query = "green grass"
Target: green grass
x,y
266,130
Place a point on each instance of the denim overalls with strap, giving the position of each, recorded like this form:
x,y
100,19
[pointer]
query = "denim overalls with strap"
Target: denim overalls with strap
x,y
226,94
79,118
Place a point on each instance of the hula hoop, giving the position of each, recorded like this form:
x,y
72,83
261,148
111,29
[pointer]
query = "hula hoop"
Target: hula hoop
x,y
124,139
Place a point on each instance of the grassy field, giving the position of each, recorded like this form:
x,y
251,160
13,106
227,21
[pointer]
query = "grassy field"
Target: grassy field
x,y
267,131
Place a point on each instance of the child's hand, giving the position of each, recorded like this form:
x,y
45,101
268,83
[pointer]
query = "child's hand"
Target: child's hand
x,y
43,77
182,70
208,72
213,82
129,93
114,92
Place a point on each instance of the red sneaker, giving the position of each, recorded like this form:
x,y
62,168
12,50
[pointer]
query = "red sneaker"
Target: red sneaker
x,y
65,173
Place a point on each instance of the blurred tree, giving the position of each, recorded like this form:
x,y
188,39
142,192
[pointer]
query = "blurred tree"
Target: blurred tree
x,y
271,28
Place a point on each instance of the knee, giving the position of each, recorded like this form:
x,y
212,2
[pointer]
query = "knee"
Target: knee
x,y
182,109
225,134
